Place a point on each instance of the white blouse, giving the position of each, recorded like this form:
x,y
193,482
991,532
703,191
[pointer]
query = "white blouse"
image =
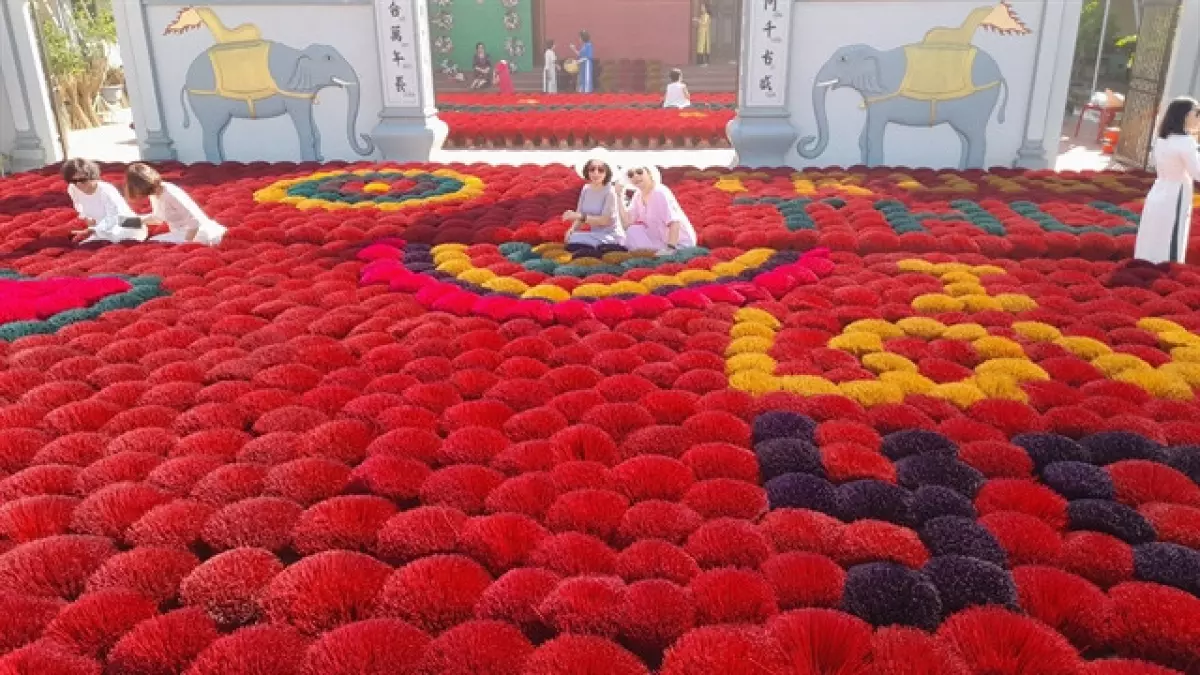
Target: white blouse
x,y
1176,159
677,96
105,202
106,207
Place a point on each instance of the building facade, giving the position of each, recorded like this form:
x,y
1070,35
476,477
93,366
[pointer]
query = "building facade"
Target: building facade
x,y
519,30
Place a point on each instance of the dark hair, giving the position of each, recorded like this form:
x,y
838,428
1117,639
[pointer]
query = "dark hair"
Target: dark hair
x,y
480,44
1176,115
550,44
80,170
704,6
608,170
676,75
141,180
585,36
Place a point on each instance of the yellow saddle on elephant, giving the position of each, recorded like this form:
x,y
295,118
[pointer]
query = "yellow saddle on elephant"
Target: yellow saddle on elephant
x,y
938,72
240,70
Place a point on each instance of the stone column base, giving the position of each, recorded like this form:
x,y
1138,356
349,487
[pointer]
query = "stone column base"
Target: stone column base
x,y
409,139
28,153
761,141
158,147
1032,155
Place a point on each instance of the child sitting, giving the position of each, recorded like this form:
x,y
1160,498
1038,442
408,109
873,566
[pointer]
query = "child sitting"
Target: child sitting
x,y
100,205
185,221
678,95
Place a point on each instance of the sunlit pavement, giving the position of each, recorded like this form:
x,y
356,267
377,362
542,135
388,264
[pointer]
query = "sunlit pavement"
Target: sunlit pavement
x,y
117,143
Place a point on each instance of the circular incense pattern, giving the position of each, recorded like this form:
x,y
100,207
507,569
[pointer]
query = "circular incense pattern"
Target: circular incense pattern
x,y
383,189
553,274
40,306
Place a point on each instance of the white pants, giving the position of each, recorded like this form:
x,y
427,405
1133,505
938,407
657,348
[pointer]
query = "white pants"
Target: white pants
x,y
549,81
209,233
640,238
110,231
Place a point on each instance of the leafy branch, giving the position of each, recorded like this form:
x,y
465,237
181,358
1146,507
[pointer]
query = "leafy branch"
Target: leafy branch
x,y
76,50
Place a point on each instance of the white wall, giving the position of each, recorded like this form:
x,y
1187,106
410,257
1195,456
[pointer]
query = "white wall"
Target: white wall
x,y
821,27
8,129
350,29
1183,76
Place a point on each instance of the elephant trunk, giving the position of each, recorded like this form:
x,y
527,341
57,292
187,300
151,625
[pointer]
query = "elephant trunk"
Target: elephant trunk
x,y
361,143
811,147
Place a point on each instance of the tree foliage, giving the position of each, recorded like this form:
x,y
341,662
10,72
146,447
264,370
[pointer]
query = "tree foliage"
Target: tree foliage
x,y
1087,43
76,45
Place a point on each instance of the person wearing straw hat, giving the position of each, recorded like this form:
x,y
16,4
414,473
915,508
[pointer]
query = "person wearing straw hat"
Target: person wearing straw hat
x,y
594,221
584,56
653,219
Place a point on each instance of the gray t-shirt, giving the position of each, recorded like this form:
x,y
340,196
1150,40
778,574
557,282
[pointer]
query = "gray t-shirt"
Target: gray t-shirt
x,y
599,202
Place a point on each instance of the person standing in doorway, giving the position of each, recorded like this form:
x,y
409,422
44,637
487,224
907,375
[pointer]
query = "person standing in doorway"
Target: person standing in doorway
x,y
703,35
585,55
550,70
1166,220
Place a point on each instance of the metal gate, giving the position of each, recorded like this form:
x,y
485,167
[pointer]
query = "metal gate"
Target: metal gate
x,y
1156,39
725,30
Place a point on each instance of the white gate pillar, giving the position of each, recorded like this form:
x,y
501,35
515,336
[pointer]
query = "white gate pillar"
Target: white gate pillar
x,y
1183,75
1051,82
141,81
36,143
409,129
762,132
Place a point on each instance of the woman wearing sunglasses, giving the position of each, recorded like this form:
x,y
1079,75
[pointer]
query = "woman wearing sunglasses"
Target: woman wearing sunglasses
x,y
594,222
653,221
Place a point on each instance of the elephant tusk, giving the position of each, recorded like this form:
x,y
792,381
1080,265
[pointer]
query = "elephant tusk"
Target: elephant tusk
x,y
827,83
343,83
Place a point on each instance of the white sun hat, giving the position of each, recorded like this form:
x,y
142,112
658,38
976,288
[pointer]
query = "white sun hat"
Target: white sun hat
x,y
654,172
598,154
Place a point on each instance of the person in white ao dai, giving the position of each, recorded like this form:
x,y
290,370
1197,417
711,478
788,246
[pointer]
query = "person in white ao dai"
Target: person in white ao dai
x,y
185,221
1166,221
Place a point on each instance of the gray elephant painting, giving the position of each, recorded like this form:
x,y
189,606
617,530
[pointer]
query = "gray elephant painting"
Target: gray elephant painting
x,y
244,76
944,79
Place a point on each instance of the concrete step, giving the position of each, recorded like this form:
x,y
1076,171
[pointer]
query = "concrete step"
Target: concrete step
x,y
531,81
713,78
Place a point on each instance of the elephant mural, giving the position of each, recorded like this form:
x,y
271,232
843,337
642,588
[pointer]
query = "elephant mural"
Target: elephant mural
x,y
944,79
246,77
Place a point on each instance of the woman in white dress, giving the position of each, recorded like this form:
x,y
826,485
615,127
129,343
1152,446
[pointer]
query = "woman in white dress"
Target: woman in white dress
x,y
185,221
1167,213
550,70
653,220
